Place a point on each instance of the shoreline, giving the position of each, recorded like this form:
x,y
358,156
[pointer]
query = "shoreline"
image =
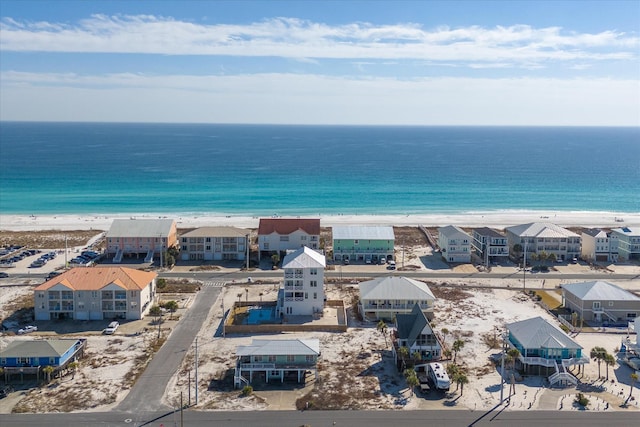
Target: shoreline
x,y
492,219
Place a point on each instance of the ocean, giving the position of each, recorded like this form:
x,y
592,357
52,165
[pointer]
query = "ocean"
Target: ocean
x,y
258,170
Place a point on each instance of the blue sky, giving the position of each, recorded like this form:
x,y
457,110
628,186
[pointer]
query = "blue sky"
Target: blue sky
x,y
330,62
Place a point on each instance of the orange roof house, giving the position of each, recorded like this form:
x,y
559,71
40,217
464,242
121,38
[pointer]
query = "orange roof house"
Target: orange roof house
x,y
96,293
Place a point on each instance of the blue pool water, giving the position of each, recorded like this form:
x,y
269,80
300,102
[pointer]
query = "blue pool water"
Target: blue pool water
x,y
260,315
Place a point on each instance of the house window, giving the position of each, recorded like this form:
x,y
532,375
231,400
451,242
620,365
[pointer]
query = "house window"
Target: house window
x,y
272,359
356,242
94,294
308,358
134,293
24,360
291,358
306,295
52,361
315,295
610,303
631,315
208,240
184,247
40,294
313,271
208,247
303,237
596,305
80,305
257,359
134,304
314,284
284,238
266,246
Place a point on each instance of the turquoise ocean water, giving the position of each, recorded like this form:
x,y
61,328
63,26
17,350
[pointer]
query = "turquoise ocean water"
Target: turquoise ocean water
x,y
255,170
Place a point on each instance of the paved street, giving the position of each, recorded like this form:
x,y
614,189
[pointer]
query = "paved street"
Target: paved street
x,y
146,395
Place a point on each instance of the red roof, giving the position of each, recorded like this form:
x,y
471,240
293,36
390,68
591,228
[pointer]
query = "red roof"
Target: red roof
x,y
289,225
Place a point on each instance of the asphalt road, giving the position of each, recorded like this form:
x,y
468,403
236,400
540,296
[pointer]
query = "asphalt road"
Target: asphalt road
x,y
146,394
494,418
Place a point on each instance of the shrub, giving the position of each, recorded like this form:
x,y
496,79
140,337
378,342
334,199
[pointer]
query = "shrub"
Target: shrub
x,y
247,390
581,400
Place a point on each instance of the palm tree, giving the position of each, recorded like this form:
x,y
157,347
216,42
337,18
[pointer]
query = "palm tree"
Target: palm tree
x,y
412,378
416,355
48,370
456,347
461,379
445,332
598,353
73,366
609,360
382,328
403,353
453,370
634,378
246,290
513,355
239,296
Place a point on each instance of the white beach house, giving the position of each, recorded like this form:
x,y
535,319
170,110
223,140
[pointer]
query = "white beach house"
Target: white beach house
x,y
302,292
454,243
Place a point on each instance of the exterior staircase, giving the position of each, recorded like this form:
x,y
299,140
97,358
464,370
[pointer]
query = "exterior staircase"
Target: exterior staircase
x,y
118,258
149,256
562,374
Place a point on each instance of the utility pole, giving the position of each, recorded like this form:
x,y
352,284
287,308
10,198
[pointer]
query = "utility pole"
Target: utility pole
x,y
248,243
196,371
524,268
181,414
502,372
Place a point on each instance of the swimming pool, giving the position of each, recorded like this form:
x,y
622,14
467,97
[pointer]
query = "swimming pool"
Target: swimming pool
x,y
258,315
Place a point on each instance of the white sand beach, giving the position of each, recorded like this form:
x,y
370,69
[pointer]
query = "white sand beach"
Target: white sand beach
x,y
494,219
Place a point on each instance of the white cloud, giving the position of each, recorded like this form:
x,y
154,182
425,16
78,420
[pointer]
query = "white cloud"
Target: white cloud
x,y
318,99
295,38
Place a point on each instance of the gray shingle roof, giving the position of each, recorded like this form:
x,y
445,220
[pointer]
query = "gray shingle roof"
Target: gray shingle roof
x,y
450,231
297,347
411,325
541,229
394,288
599,291
538,333
38,348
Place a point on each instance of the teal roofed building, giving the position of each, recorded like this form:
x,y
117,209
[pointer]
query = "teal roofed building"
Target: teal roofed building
x,y
358,243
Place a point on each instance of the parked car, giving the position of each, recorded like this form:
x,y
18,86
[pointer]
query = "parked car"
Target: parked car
x,y
392,265
112,328
3,275
53,274
27,329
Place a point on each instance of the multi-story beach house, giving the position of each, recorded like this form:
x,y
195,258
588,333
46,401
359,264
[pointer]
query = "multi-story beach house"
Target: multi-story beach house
x,y
21,358
538,237
302,292
141,238
414,331
454,243
627,243
276,360
96,293
283,234
214,244
363,243
386,297
599,301
596,246
545,350
490,245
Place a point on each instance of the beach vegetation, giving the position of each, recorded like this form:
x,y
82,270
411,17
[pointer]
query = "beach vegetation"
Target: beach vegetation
x,y
598,354
161,283
382,328
456,347
634,378
171,306
411,378
581,400
48,370
275,259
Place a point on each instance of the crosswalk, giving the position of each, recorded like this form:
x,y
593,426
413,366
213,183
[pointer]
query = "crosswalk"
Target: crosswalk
x,y
214,284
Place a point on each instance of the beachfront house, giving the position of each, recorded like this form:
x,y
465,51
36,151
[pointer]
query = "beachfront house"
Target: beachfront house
x,y
363,243
214,244
454,243
96,293
386,297
302,292
490,245
141,238
413,330
278,235
29,357
276,360
545,350
626,243
542,237
599,301
596,246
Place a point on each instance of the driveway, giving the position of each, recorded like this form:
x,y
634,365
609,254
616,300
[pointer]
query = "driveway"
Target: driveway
x,y
146,394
